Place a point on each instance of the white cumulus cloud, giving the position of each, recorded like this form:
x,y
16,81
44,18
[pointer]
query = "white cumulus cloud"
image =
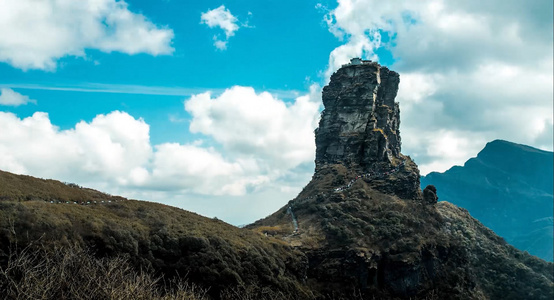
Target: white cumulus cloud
x,y
258,126
221,18
255,144
200,170
35,34
105,150
10,97
114,151
470,71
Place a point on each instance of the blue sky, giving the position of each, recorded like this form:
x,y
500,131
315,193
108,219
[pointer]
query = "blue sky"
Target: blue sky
x,y
211,105
272,53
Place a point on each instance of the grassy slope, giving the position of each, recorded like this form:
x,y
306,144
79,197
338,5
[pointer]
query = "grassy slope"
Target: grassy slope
x,y
22,188
361,222
469,257
158,237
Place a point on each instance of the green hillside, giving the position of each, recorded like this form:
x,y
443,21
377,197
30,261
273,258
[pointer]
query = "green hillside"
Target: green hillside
x,y
161,239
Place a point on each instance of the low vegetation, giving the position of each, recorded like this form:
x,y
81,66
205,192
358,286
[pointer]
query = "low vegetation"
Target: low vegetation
x,y
397,238
357,243
73,273
156,238
24,188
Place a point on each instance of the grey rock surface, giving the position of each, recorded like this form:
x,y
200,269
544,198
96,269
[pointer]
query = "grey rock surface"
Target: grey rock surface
x,y
359,128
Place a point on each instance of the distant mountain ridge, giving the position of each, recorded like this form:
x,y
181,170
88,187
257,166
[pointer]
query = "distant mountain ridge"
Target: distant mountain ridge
x,y
509,188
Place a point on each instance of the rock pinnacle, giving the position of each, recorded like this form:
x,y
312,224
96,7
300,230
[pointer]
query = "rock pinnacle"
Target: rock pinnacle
x,y
359,127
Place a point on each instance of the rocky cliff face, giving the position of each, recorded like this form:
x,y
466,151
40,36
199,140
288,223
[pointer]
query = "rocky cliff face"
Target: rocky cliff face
x,y
359,127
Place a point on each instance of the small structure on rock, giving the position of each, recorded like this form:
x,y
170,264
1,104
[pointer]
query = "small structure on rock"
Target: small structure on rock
x,y
356,61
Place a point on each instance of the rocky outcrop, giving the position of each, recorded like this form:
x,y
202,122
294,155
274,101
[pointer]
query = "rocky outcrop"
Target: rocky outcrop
x,y
359,127
430,194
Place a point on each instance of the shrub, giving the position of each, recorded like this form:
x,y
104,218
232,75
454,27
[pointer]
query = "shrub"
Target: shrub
x,y
74,273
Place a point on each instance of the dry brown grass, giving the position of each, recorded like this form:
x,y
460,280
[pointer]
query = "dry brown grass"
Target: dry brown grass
x,y
275,230
153,236
73,273
24,188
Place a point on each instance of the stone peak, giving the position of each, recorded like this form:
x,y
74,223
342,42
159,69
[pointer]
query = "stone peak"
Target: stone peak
x,y
359,129
359,126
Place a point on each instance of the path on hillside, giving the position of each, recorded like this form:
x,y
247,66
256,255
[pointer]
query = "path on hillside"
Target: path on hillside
x,y
294,221
81,202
